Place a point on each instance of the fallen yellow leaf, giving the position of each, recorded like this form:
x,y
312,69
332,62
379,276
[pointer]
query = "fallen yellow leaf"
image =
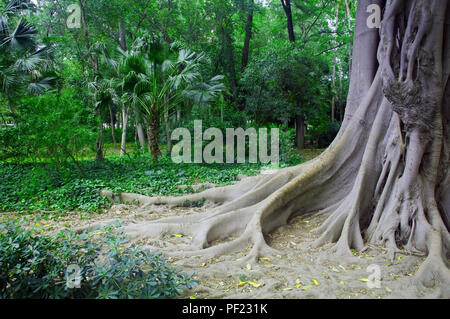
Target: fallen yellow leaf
x,y
242,283
315,282
255,284
307,287
364,280
177,235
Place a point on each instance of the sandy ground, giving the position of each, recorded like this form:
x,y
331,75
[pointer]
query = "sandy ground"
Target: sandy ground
x,y
297,271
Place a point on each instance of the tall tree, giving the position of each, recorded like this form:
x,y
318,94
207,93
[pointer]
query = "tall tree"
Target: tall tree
x,y
290,25
223,11
386,177
248,34
299,117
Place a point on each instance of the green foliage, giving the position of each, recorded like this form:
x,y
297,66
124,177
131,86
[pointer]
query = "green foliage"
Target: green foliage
x,y
321,133
46,187
22,58
54,126
282,82
34,266
287,147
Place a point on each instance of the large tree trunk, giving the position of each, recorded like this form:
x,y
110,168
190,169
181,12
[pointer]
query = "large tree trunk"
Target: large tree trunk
x,y
385,179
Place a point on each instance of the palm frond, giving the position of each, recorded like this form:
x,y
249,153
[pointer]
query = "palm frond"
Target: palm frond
x,y
41,86
21,37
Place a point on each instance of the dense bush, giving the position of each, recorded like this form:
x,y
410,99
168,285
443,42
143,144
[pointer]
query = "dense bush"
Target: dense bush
x,y
328,136
322,134
11,146
34,266
53,126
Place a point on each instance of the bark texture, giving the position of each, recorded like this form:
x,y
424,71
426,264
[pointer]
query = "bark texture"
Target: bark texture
x,y
153,136
385,180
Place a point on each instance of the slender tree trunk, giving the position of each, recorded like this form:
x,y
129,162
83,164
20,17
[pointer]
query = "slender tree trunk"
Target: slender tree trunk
x,y
153,137
112,126
99,142
92,58
123,144
225,25
349,24
94,65
122,36
300,131
140,131
333,98
299,120
248,36
290,25
168,131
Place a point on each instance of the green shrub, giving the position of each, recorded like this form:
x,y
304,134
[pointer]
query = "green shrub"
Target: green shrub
x,y
11,146
53,126
34,266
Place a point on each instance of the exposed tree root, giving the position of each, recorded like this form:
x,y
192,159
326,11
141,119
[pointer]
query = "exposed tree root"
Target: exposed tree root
x,y
383,181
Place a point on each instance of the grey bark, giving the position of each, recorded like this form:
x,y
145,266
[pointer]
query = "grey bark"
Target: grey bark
x,y
384,180
140,131
123,144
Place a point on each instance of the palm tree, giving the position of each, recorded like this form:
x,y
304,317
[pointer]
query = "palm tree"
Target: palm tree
x,y
104,96
24,63
163,88
152,83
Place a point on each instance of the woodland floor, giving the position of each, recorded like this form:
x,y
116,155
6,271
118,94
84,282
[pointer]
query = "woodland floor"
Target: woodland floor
x,y
298,271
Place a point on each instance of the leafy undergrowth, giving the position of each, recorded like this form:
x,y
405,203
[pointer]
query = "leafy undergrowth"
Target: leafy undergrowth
x,y
34,187
99,264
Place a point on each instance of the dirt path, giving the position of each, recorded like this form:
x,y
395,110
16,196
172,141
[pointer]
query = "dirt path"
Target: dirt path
x,y
298,271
